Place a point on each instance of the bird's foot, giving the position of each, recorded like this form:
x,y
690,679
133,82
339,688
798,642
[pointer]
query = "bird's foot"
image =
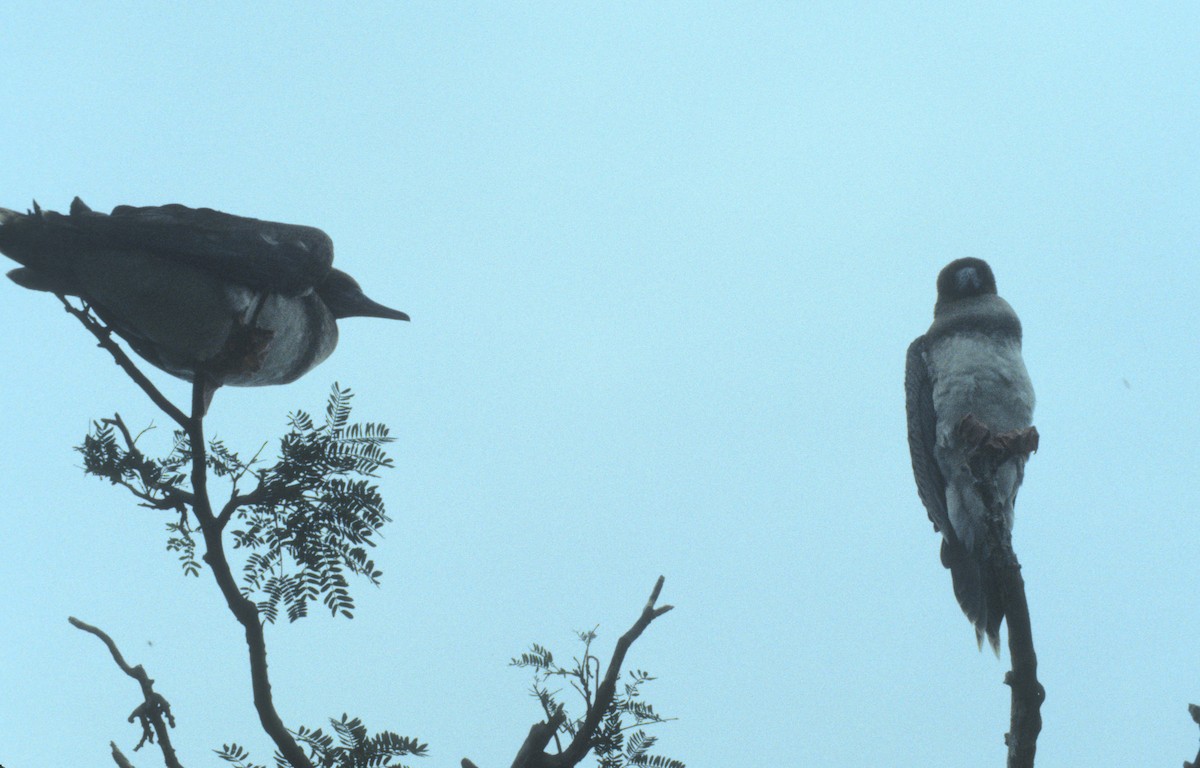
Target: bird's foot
x,y
244,351
1017,442
1000,447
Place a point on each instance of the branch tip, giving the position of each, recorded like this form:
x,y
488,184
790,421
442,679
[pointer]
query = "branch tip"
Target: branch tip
x,y
151,712
658,585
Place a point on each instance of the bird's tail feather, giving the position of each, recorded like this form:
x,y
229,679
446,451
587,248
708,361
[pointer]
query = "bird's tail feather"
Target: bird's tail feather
x,y
10,221
977,592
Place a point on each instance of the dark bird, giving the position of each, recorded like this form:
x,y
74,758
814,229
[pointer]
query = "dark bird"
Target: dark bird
x,y
967,363
196,292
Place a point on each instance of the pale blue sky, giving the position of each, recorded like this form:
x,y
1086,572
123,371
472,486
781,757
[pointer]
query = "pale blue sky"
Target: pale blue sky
x,y
663,264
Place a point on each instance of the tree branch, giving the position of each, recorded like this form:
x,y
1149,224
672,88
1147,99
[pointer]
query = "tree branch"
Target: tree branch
x,y
153,709
238,500
243,609
989,452
119,757
1194,711
103,334
532,753
173,498
211,526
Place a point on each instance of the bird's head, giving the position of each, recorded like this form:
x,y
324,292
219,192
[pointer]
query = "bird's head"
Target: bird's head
x,y
344,298
963,278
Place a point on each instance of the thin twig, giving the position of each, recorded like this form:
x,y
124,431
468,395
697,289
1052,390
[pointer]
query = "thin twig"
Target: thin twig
x,y
246,467
119,757
1194,711
173,498
153,709
532,753
103,334
148,500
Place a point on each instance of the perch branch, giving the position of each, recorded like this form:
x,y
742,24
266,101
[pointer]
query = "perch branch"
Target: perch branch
x,y
153,709
988,453
242,608
532,753
103,334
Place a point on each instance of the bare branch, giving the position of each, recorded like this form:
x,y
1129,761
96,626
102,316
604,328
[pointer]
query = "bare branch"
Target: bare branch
x,y
1194,711
119,757
151,712
103,334
532,753
243,609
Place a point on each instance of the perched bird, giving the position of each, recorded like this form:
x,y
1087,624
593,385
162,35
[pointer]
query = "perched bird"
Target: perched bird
x,y
194,291
967,363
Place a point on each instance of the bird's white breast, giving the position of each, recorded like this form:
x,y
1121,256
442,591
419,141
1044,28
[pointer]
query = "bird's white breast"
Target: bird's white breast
x,y
980,374
983,375
303,334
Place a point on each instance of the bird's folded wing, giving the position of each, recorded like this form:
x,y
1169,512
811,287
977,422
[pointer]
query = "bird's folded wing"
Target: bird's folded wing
x,y
283,258
922,436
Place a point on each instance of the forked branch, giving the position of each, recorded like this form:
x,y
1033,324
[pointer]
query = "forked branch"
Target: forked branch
x,y
243,609
154,713
532,753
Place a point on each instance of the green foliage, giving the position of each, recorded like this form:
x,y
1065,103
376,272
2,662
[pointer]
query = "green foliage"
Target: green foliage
x,y
347,745
237,756
613,744
316,511
307,524
355,748
158,483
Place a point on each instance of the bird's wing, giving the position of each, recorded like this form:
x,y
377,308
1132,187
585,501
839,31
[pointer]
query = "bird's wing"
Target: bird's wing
x,y
282,258
922,436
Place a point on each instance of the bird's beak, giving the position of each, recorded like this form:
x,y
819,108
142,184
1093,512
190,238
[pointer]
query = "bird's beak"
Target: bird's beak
x,y
344,298
364,307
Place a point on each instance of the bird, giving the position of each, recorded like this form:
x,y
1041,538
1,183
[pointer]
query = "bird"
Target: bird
x,y
968,363
196,292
